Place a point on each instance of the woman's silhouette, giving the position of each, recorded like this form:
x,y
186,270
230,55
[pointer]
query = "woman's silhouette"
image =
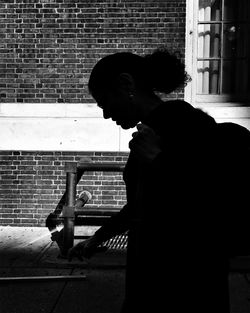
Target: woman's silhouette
x,y
179,187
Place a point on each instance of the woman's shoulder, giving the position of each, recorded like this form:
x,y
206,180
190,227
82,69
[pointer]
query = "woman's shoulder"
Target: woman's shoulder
x,y
177,107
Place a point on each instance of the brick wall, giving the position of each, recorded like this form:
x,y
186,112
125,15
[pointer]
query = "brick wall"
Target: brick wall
x,y
32,183
47,47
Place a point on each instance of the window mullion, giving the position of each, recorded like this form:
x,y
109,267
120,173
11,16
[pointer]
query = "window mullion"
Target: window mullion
x,y
222,45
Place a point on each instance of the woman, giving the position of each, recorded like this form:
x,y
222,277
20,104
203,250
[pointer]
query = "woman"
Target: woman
x,y
177,256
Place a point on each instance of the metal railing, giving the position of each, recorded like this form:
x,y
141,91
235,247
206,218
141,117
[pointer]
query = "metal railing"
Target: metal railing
x,y
74,172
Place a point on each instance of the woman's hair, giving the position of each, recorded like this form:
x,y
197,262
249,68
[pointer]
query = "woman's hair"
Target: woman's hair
x,y
156,72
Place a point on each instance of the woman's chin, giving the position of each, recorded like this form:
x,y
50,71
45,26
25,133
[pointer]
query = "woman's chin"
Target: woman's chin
x,y
126,124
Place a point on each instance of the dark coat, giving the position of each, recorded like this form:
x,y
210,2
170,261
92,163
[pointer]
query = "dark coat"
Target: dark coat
x,y
185,213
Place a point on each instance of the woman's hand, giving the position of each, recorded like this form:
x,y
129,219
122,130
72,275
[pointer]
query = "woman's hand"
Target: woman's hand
x,y
85,249
145,144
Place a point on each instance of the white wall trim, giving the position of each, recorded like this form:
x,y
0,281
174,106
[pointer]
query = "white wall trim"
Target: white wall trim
x,y
50,110
59,127
238,115
227,112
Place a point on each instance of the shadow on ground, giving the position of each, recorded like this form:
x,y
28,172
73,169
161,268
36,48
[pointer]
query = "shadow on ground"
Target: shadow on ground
x,y
94,286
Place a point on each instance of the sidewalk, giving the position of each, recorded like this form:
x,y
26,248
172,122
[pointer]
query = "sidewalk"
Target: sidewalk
x,y
95,286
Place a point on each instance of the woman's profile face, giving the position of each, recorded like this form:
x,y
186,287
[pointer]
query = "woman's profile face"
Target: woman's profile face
x,y
118,105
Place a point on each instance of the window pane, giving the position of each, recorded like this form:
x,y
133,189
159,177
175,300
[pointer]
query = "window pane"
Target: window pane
x,y
209,10
234,40
235,10
209,40
234,77
208,77
223,47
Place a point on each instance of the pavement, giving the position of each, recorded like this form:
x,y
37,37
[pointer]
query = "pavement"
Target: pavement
x,y
34,279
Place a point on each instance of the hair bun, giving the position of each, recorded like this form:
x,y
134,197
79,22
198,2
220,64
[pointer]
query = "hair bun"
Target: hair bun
x,y
166,71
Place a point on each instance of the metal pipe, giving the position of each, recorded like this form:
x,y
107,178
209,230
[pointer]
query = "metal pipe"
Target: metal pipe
x,y
68,210
107,166
74,172
87,166
70,189
41,278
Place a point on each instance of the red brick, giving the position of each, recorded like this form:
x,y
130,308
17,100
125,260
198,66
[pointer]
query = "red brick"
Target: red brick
x,y
86,31
31,197
48,41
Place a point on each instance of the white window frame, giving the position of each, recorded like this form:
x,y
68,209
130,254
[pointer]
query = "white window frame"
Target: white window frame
x,y
191,52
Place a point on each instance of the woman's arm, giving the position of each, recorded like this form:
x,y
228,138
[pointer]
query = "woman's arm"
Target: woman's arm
x,y
117,224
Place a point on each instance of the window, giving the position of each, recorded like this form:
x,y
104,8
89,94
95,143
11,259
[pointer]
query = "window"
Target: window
x,y
218,31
